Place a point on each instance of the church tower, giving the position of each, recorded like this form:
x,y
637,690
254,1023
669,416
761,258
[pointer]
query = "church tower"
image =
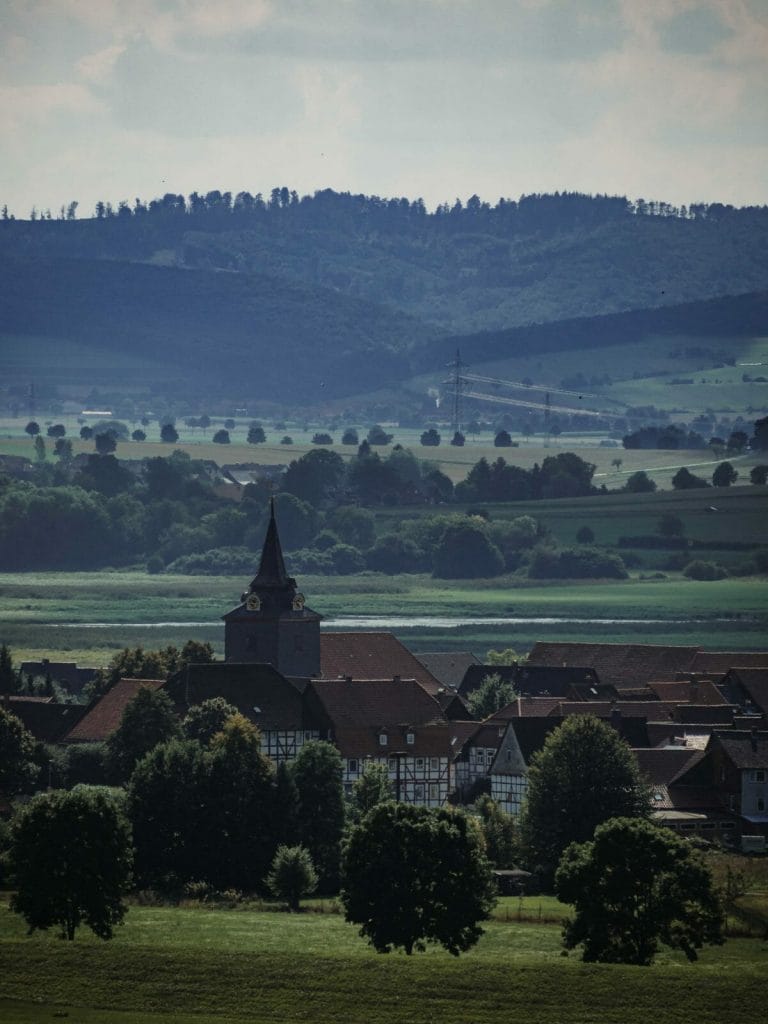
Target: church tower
x,y
272,625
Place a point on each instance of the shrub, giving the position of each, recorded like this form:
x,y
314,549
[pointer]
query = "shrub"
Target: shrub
x,y
704,571
576,564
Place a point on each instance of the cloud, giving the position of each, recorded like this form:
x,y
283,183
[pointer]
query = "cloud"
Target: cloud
x,y
96,67
28,106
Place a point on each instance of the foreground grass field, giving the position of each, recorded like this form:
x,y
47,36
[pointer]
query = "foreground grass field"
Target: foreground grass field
x,y
178,965
88,616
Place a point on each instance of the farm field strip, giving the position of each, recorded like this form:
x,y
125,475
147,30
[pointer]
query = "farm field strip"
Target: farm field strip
x,y
169,963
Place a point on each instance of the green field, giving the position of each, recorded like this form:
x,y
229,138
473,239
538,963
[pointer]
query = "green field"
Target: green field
x,y
187,964
454,462
45,614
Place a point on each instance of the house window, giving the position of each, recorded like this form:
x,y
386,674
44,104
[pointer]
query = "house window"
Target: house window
x,y
307,736
434,764
757,775
410,738
352,764
418,792
393,764
760,804
434,791
420,762
382,739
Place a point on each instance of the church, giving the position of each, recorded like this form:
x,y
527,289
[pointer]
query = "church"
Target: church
x,y
364,692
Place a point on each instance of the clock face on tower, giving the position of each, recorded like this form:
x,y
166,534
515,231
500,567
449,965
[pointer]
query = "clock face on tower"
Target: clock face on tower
x,y
298,602
253,603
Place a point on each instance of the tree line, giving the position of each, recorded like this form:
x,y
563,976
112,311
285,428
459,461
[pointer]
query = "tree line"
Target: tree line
x,y
202,812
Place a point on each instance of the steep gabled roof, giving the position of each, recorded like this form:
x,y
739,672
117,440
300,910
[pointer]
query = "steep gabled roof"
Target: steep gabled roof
x,y
744,749
687,692
371,656
272,571
45,720
105,714
377,702
448,667
618,664
259,692
716,663
560,681
360,711
660,765
755,682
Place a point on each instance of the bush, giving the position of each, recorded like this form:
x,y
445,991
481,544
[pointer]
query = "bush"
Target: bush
x,y
234,561
350,436
585,535
430,438
322,438
704,571
640,483
155,565
221,437
346,559
393,554
313,563
684,480
576,564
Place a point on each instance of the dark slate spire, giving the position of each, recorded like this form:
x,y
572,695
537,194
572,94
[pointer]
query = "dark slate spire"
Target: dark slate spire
x,y
272,567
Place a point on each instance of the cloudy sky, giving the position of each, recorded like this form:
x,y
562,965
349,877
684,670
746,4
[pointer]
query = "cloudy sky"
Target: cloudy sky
x,y
113,99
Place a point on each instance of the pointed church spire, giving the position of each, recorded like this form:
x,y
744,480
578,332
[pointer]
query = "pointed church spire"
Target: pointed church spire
x,y
272,567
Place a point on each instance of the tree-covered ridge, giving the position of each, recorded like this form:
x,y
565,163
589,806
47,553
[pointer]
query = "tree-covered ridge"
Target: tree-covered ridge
x,y
464,267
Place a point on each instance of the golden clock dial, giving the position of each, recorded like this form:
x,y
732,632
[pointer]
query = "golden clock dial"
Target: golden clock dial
x,y
253,603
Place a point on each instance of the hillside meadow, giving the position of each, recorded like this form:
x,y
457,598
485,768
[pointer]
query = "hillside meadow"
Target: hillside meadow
x,y
174,965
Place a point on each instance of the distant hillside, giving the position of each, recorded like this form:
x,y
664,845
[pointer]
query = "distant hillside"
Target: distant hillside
x,y
248,334
286,295
733,316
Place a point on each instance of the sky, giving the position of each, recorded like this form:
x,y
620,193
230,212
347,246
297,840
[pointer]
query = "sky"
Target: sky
x,y
117,99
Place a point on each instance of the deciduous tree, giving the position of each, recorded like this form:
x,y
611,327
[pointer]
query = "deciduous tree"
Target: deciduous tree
x,y
583,775
317,773
413,876
71,857
18,770
148,719
634,887
292,876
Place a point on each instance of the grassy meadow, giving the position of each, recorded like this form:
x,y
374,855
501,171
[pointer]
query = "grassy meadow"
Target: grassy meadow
x,y
183,964
51,614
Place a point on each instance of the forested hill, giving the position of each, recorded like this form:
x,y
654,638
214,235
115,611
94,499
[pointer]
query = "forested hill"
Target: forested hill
x,y
350,290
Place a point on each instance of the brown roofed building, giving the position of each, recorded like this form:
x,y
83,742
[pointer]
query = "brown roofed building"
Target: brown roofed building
x,y
621,665
448,667
392,722
46,721
748,688
259,692
715,664
103,717
371,656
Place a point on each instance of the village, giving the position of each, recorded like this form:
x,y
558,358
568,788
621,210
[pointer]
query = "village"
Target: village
x,y
694,719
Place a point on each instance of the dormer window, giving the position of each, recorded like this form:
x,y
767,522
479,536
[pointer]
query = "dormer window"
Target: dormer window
x,y
410,738
382,739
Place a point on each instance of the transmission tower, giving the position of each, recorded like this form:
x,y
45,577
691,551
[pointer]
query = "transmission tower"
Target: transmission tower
x,y
458,387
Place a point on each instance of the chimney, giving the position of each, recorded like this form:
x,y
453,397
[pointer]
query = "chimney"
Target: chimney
x,y
395,679
347,679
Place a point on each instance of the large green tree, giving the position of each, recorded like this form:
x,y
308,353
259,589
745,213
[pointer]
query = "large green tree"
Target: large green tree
x,y
240,807
203,721
583,775
491,695
71,858
18,770
465,551
634,887
317,773
413,876
166,808
148,719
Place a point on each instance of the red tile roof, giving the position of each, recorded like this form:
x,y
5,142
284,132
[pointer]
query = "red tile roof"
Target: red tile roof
x,y
359,711
660,765
688,692
371,656
618,664
103,717
755,682
717,663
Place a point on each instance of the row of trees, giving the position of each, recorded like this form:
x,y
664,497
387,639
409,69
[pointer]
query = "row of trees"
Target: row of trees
x,y
205,809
